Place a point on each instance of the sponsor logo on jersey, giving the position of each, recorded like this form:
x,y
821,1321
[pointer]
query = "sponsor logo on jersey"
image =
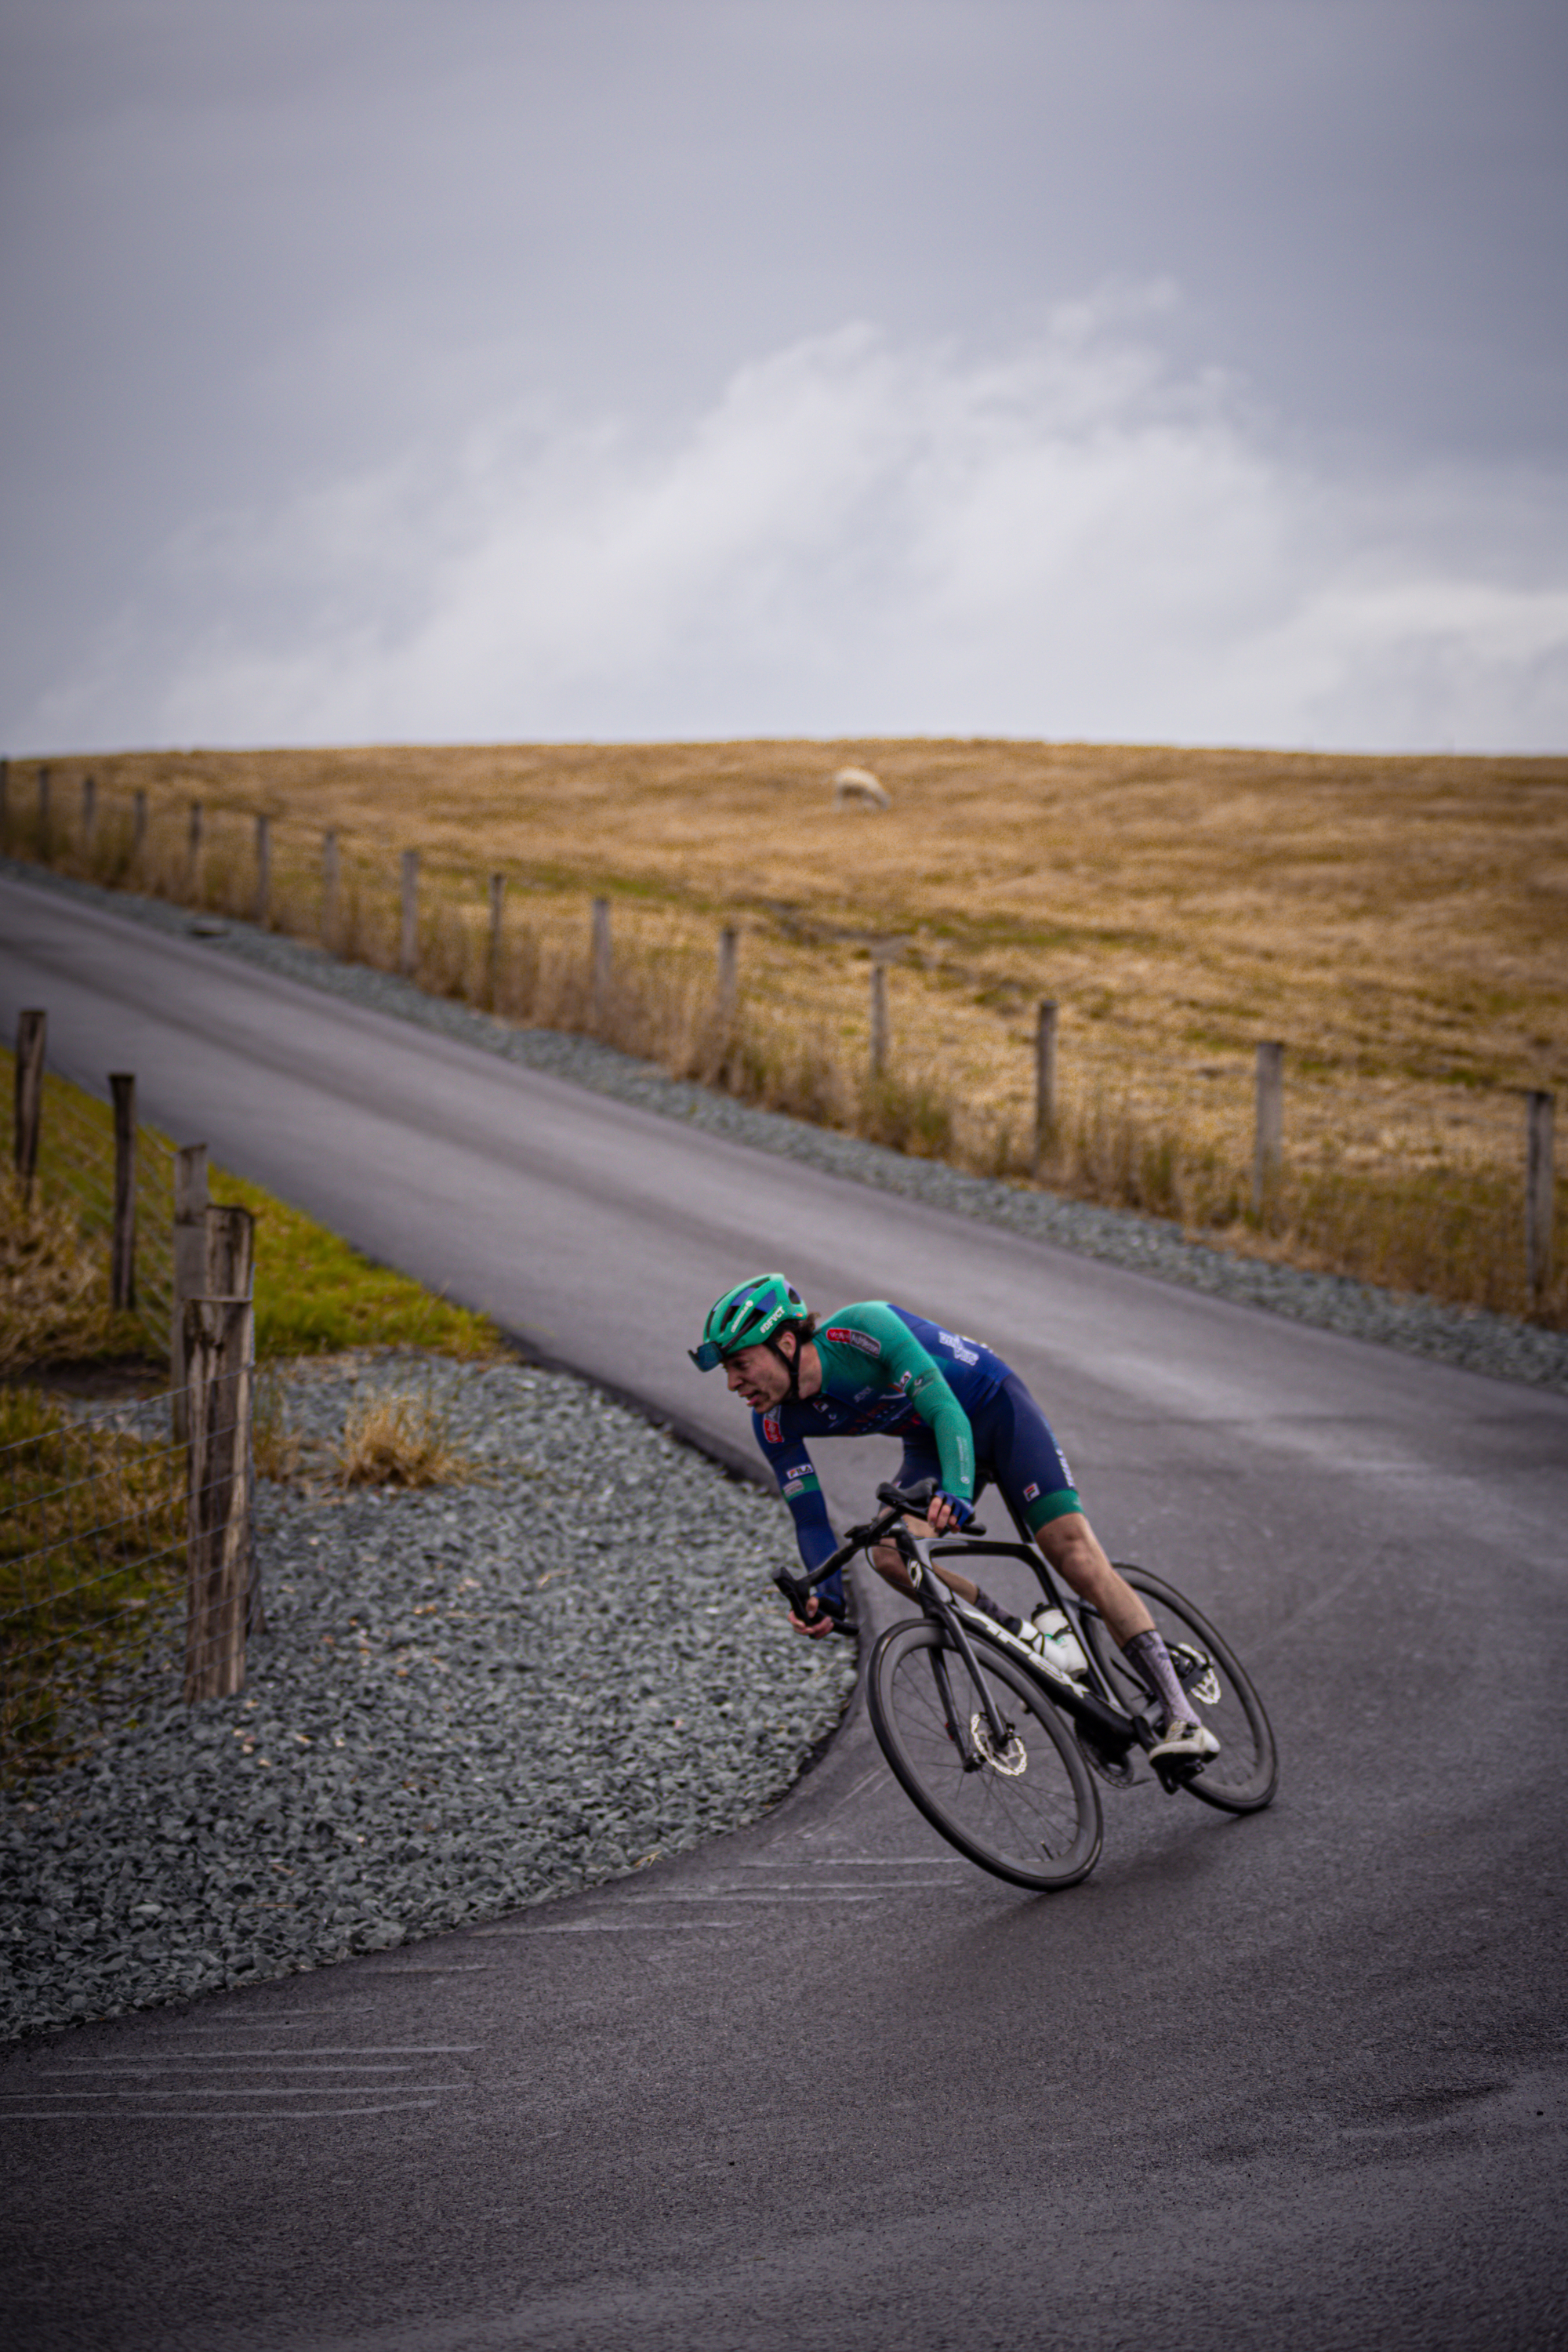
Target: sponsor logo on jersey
x,y
850,1339
1066,1472
964,1350
794,1485
1031,1494
771,1430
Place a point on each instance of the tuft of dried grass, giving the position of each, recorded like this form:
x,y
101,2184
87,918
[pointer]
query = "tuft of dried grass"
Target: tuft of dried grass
x,y
276,1446
397,1437
92,1526
54,1291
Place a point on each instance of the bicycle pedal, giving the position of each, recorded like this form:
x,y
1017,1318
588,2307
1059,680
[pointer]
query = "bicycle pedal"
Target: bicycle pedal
x,y
1173,1777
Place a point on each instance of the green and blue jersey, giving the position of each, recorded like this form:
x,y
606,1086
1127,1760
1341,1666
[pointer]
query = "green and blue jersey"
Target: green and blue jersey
x,y
964,1417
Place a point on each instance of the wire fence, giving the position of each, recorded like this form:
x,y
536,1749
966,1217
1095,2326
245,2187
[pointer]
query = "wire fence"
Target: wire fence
x,y
106,1520
77,1157
1391,1178
65,1217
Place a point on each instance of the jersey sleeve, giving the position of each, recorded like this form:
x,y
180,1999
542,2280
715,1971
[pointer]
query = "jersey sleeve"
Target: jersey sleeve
x,y
792,1466
908,1366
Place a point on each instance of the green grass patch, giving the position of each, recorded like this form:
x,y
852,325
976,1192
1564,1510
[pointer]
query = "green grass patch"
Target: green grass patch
x,y
315,1294
92,1524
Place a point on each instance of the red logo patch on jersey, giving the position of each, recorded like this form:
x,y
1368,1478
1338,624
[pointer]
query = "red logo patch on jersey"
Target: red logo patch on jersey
x,y
772,1431
848,1338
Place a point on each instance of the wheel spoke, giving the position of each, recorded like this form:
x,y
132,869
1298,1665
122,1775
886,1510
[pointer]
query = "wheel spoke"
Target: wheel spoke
x,y
1241,1778
1038,1825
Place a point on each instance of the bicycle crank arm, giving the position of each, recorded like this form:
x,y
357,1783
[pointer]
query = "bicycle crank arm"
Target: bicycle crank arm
x,y
1107,1725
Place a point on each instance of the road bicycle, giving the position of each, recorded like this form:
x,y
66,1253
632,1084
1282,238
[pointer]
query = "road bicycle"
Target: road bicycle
x,y
1004,1750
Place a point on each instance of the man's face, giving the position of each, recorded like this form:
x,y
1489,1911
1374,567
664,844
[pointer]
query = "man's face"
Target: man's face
x,y
757,1375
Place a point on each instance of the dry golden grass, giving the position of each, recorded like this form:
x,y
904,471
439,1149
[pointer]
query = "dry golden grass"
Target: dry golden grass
x,y
277,1448
1400,922
92,1524
54,1289
395,1437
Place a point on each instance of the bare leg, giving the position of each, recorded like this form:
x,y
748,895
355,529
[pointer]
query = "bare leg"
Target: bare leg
x,y
1076,1553
891,1567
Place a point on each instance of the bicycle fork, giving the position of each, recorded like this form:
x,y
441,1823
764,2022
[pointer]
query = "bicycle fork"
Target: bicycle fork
x,y
928,1586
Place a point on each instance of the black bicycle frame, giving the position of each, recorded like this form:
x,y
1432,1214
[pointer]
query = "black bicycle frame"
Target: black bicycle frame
x,y
1103,1717
934,1600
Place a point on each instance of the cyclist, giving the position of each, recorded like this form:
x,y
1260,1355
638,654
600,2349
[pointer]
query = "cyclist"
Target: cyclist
x,y
965,1419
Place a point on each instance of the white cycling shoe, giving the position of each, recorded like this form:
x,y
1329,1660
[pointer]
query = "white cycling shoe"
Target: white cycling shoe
x,y
1183,1743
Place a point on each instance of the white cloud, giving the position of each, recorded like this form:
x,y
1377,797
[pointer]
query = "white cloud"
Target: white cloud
x,y
864,538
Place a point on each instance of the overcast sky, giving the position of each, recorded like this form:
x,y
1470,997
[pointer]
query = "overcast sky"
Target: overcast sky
x,y
438,369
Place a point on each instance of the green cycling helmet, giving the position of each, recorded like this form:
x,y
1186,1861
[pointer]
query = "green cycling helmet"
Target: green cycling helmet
x,y
754,1313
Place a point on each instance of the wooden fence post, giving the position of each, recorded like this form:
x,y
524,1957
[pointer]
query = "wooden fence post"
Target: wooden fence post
x,y
138,826
1540,1192
1045,1082
193,851
263,873
729,977
218,1336
408,943
492,964
32,1030
46,842
601,963
330,883
190,1254
5,804
231,1273
230,1253
122,1252
89,815
878,1016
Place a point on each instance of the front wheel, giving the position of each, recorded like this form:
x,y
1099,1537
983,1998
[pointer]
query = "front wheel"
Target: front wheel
x,y
1029,1812
1243,1776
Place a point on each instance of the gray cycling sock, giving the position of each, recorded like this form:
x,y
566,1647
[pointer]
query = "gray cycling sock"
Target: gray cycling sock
x,y
1150,1661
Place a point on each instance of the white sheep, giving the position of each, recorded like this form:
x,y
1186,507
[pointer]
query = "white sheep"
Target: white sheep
x,y
860,785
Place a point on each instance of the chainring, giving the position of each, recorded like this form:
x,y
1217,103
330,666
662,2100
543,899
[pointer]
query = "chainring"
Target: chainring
x,y
1117,1771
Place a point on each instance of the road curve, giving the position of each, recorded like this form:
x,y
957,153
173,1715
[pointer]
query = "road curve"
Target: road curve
x,y
1296,2079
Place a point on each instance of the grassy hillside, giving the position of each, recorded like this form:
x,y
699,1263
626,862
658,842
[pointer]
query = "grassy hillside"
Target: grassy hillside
x,y
1399,922
313,1292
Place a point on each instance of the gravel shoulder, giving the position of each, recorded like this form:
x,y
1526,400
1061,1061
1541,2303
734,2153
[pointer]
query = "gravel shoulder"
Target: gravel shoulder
x,y
468,1699
1478,1343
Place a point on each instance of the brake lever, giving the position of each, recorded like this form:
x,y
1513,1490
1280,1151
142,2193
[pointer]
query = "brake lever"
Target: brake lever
x,y
798,1592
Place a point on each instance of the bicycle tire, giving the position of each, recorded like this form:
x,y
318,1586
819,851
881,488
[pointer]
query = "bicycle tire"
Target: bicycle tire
x,y
1040,1831
1243,1776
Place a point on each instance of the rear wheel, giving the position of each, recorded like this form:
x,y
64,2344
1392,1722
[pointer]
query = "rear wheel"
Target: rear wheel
x,y
1243,1776
1027,1811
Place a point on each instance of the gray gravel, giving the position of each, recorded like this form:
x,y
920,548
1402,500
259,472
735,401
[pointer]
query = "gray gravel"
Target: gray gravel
x,y
1480,1342
468,1699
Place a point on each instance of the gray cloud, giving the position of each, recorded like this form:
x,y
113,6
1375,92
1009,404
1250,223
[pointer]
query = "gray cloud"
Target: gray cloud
x,y
310,306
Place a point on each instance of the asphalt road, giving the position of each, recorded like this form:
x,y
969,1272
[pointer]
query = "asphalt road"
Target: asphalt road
x,y
1296,2080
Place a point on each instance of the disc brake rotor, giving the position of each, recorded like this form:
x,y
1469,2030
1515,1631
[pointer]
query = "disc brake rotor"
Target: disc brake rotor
x,y
1196,1676
1010,1760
